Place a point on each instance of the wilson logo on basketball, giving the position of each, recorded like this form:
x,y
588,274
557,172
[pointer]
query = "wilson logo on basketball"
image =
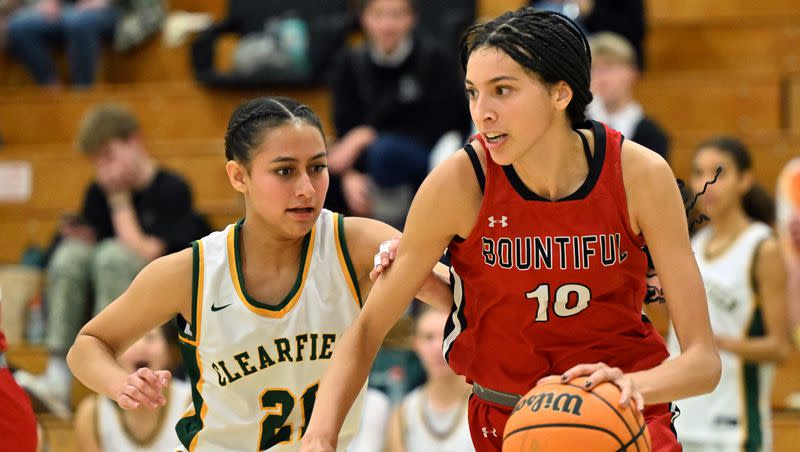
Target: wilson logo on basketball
x,y
565,403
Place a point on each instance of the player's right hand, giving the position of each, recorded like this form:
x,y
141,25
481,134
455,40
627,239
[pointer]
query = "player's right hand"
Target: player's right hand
x,y
384,257
143,388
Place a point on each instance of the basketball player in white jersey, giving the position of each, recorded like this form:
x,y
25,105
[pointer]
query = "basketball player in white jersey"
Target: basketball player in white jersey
x,y
745,281
432,417
101,425
260,305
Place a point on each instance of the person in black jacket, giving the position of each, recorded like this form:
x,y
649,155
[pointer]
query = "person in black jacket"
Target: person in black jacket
x,y
614,76
624,17
132,213
393,98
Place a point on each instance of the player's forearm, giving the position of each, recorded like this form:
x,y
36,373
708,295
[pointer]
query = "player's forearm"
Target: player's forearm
x,y
436,290
93,363
762,349
696,371
341,384
129,231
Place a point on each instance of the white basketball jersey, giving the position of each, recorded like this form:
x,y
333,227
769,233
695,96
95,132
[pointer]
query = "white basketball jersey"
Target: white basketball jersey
x,y
113,435
738,410
424,430
255,368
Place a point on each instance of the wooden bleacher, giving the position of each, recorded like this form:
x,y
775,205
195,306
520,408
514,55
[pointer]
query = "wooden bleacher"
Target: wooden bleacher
x,y
714,66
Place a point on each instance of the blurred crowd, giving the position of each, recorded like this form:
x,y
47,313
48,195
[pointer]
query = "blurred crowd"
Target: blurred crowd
x,y
398,108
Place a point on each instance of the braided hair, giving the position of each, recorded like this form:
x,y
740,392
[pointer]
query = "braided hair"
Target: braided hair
x,y
546,44
249,122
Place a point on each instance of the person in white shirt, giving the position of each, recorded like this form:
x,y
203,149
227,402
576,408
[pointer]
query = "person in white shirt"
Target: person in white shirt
x,y
614,77
102,426
433,416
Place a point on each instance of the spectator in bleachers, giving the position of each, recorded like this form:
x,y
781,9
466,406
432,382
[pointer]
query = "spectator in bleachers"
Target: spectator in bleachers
x,y
100,425
78,25
433,416
133,213
623,17
392,101
614,77
7,7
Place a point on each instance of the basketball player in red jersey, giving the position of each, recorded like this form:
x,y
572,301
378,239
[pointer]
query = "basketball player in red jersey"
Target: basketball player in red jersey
x,y
544,216
17,421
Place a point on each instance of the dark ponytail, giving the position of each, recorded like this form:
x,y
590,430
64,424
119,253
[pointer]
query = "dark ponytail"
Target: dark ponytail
x,y
248,123
757,203
546,44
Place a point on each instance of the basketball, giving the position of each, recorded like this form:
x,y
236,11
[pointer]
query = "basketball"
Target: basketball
x,y
558,417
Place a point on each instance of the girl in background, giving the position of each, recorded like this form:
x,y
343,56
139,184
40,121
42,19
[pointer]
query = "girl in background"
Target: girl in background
x,y
745,282
102,426
433,416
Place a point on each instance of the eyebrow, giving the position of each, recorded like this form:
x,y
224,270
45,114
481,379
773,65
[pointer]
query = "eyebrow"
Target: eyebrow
x,y
292,159
499,78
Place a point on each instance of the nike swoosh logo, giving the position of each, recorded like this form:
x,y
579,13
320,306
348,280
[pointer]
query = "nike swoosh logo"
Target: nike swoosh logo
x,y
215,308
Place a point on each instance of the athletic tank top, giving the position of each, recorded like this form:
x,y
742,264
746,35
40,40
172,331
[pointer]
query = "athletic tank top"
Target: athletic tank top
x,y
113,435
738,410
426,430
540,286
255,368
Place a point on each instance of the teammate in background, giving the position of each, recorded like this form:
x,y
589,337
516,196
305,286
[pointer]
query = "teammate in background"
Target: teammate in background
x,y
745,282
260,305
545,224
788,226
432,417
100,425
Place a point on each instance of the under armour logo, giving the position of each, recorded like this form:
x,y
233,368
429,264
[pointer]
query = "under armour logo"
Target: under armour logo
x,y
502,221
486,431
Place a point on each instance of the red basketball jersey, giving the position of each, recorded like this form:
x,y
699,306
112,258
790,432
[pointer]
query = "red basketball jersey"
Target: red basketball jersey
x,y
3,344
540,286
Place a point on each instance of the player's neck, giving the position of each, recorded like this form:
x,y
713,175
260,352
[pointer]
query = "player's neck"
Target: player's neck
x,y
730,224
259,242
556,166
445,392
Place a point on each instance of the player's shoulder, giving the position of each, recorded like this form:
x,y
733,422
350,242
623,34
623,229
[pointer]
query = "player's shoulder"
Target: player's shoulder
x,y
168,277
172,264
459,173
642,165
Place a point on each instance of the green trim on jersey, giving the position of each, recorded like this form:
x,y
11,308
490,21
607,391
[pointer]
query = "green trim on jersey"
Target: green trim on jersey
x,y
195,280
189,426
752,385
346,253
240,275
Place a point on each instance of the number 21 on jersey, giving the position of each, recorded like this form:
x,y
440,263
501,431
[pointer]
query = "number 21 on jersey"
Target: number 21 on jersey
x,y
566,304
278,404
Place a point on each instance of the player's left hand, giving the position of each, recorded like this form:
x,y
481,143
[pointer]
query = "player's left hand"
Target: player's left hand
x,y
384,257
598,373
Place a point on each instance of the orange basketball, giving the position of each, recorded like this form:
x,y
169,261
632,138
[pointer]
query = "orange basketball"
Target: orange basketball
x,y
564,417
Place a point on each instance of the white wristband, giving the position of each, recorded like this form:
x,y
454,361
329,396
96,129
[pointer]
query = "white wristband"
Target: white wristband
x,y
384,248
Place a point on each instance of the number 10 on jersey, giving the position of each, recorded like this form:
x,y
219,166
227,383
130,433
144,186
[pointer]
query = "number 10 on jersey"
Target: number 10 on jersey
x,y
565,305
